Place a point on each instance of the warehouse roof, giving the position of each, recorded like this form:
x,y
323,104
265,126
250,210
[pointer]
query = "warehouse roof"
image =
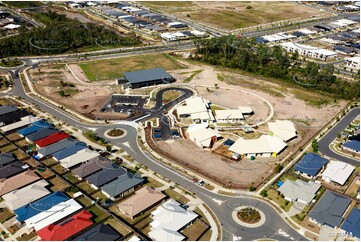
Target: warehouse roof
x,y
66,228
311,164
338,171
18,181
6,158
41,133
352,223
34,127
23,122
264,144
29,210
62,154
101,232
330,209
92,166
106,175
58,146
79,157
299,190
12,169
23,196
283,129
147,75
122,184
51,139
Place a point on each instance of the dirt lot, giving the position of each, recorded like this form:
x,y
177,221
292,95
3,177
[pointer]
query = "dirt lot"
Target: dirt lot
x,y
83,97
233,15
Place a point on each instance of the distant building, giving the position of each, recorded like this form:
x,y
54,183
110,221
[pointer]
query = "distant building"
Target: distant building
x,y
309,51
196,108
353,62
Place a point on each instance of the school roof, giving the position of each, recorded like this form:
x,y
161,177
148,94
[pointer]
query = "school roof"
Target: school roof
x,y
58,146
147,75
330,208
12,169
25,212
41,133
53,214
23,196
69,151
229,114
23,122
122,184
12,117
34,127
168,219
101,232
18,181
310,164
353,145
7,158
299,190
51,139
264,144
79,157
92,166
283,129
66,228
7,109
195,106
338,171
143,199
352,223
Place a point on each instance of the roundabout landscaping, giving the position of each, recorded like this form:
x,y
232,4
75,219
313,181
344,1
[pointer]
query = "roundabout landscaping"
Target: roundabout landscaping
x,y
11,63
248,216
115,133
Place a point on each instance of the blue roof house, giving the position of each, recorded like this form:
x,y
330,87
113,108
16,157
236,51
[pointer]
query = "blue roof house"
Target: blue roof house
x,y
310,165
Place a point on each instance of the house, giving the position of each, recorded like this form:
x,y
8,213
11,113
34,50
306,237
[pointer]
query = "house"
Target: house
x,y
352,224
6,159
105,176
40,134
23,122
101,232
12,117
67,228
310,165
168,220
92,166
352,62
145,78
123,185
283,129
229,116
330,210
264,146
353,146
337,171
196,108
30,210
79,157
143,199
26,195
299,190
33,128
12,169
202,135
345,50
56,147
53,214
309,51
62,154
7,109
20,180
51,139
177,25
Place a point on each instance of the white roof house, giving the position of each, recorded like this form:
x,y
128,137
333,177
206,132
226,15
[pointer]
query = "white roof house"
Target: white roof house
x,y
283,129
265,146
12,26
79,157
299,190
246,110
353,62
343,22
26,195
229,115
168,220
307,31
202,135
53,214
168,36
310,51
197,108
337,171
23,122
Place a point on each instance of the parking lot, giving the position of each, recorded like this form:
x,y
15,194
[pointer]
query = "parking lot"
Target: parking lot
x,y
124,104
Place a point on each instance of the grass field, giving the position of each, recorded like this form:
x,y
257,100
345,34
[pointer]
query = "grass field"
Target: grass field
x,y
111,69
234,15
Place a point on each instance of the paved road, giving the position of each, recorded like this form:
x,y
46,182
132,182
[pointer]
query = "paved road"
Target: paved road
x,y
326,140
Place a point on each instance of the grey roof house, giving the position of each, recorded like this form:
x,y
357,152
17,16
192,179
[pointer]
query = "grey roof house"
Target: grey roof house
x,y
101,232
41,133
299,190
105,176
7,109
12,169
92,166
123,184
6,159
53,148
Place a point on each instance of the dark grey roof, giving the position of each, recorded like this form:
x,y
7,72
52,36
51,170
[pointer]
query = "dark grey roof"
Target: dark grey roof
x,y
6,158
41,133
11,170
147,75
106,175
92,166
7,109
330,208
101,232
12,117
124,183
58,146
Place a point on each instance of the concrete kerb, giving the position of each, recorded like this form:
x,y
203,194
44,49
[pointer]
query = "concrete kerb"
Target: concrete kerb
x,y
115,137
15,67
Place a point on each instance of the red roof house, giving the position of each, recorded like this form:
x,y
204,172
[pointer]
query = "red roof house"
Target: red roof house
x,y
51,139
67,228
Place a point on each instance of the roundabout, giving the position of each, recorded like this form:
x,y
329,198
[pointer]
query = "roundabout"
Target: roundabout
x,y
115,133
247,216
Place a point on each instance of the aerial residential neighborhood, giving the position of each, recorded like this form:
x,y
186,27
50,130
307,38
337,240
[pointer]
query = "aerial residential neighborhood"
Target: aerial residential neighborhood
x,y
179,120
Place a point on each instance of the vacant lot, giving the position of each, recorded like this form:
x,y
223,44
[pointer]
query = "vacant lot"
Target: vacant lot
x,y
234,15
114,68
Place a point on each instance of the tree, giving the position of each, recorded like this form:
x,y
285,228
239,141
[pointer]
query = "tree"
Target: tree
x,y
62,93
109,148
278,168
315,146
252,188
264,193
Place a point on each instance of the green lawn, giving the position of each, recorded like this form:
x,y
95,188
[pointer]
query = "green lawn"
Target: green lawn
x,y
99,213
273,195
86,187
114,68
176,196
84,200
117,226
70,177
153,183
5,214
